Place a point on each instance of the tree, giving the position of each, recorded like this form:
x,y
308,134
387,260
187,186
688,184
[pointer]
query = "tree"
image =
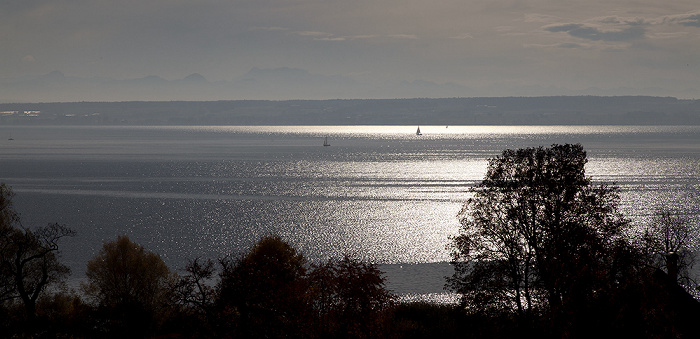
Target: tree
x,y
195,294
269,293
129,283
536,233
347,298
262,294
9,221
670,240
194,289
28,258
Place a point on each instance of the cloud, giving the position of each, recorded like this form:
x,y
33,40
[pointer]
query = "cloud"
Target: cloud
x,y
326,36
463,36
536,17
442,41
618,20
671,35
617,28
323,36
367,36
269,29
689,19
588,32
319,36
331,39
403,36
314,34
569,45
560,45
504,29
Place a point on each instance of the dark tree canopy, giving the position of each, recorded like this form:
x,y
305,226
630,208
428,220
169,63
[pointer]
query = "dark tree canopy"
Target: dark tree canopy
x,y
124,272
29,259
129,284
262,293
269,271
537,236
347,296
269,292
8,216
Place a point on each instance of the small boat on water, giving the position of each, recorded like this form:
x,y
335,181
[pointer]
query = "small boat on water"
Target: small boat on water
x,y
418,131
325,142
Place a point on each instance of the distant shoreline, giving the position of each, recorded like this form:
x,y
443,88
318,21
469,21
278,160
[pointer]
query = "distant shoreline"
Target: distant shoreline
x,y
553,110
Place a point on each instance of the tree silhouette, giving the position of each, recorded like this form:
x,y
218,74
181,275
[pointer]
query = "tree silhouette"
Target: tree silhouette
x,y
130,285
263,293
9,222
670,240
28,258
270,293
348,298
194,294
536,234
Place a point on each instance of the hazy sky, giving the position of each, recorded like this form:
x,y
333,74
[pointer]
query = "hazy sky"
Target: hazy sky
x,y
499,47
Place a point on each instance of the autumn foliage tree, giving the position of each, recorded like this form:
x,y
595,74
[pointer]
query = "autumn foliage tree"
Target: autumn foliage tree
x,y
262,293
270,292
347,298
129,284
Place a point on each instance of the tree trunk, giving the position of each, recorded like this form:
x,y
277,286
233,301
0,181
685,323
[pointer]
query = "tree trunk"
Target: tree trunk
x,y
672,265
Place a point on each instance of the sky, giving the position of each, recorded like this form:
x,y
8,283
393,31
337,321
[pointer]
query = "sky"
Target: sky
x,y
366,48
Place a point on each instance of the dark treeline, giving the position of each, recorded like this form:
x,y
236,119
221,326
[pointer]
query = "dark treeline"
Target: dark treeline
x,y
549,253
541,252
558,110
129,292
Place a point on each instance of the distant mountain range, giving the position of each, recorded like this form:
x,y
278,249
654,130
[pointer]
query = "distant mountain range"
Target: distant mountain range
x,y
555,110
274,83
263,84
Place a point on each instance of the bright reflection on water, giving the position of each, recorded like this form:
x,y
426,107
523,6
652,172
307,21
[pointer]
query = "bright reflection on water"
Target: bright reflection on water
x,y
381,193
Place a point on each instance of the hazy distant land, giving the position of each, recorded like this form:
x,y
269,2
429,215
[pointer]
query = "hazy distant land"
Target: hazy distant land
x,y
557,110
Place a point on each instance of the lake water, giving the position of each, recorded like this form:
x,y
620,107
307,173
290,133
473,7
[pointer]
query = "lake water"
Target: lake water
x,y
380,193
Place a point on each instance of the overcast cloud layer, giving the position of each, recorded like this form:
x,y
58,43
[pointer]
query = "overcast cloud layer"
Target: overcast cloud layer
x,y
360,48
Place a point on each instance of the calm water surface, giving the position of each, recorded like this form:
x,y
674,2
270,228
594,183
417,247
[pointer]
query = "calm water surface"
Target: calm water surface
x,y
380,193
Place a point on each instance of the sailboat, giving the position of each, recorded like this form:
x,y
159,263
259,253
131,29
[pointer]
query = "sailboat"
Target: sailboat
x,y
325,142
418,131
